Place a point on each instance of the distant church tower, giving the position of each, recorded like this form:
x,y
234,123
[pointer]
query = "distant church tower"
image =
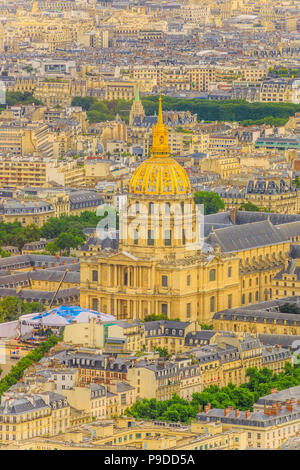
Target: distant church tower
x,y
35,8
137,108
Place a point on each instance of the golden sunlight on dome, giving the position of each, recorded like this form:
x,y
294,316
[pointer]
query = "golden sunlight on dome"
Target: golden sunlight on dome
x,y
160,174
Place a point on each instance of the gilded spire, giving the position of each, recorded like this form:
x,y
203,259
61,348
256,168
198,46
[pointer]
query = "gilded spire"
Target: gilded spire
x,y
160,147
160,121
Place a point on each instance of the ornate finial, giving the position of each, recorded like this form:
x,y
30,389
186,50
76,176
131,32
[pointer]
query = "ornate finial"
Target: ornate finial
x,y
160,115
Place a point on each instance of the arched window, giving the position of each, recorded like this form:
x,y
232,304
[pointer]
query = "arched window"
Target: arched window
x,y
212,275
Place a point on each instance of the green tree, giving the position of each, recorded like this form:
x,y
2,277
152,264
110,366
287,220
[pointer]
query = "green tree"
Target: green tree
x,y
12,307
211,201
163,352
52,248
250,207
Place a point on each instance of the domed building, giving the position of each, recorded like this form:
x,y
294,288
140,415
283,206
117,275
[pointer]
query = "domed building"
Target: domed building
x,y
160,265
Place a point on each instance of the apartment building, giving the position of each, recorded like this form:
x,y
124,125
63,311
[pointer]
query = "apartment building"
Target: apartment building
x,y
158,380
19,172
266,429
28,416
25,212
20,139
280,90
258,318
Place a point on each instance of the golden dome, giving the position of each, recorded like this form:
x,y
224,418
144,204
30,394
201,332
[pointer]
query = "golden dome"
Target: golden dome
x,y
160,174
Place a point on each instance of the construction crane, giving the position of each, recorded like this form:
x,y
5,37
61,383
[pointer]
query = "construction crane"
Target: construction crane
x,y
40,325
59,286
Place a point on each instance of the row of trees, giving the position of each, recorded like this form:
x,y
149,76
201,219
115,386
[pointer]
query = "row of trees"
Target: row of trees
x,y
227,110
15,97
16,235
69,230
242,111
179,410
12,307
98,111
17,371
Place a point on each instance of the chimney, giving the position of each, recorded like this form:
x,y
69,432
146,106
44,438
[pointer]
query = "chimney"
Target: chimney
x,y
226,411
231,408
267,411
289,407
298,402
247,414
273,390
232,215
279,405
206,409
274,411
237,413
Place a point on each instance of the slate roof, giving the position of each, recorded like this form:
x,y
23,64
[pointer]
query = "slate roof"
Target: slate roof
x,y
260,315
40,295
282,395
289,230
20,405
215,221
199,337
55,276
243,237
245,217
285,341
256,418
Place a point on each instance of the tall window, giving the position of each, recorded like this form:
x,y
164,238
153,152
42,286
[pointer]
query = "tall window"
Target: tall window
x,y
164,309
229,300
167,208
164,281
95,304
136,236
229,271
183,236
167,237
188,310
95,275
151,207
212,275
188,280
150,238
212,304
